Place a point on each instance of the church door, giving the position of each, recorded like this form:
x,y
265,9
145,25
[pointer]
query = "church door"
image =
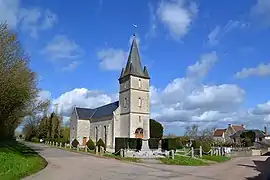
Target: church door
x,y
84,141
139,133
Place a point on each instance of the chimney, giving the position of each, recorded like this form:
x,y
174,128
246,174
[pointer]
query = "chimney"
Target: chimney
x,y
265,131
230,125
242,125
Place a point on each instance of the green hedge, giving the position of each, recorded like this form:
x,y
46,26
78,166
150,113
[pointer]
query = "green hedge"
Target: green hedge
x,y
134,143
169,144
153,143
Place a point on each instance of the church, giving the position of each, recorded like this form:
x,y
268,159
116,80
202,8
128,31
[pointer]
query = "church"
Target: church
x,y
128,117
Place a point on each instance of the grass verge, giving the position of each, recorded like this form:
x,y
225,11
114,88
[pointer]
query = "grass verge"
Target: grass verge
x,y
18,160
182,160
216,158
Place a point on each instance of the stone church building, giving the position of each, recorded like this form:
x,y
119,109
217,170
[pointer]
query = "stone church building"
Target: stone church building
x,y
128,117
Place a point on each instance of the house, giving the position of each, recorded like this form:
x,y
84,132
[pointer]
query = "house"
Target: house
x,y
259,135
223,135
128,117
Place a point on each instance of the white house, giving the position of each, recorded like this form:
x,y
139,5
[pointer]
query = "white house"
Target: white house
x,y
128,117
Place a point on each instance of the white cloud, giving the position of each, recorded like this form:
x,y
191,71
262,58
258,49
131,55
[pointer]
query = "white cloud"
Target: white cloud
x,y
177,16
31,20
112,59
202,67
262,109
73,65
9,10
44,95
261,12
60,47
81,97
220,31
260,70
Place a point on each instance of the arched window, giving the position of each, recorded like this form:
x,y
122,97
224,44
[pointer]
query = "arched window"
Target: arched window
x,y
140,83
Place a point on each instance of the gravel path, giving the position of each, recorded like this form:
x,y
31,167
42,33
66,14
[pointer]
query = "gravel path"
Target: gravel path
x,y
65,165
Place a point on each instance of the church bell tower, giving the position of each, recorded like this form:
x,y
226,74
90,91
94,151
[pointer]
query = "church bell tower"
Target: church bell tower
x,y
134,97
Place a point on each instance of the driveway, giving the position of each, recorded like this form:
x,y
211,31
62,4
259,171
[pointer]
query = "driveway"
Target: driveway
x,y
65,165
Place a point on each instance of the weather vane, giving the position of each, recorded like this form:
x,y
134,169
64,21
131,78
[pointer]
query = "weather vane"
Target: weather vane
x,y
135,26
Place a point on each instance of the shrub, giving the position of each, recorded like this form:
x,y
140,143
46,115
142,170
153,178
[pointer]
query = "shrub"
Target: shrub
x,y
90,144
100,143
75,143
34,139
196,144
206,147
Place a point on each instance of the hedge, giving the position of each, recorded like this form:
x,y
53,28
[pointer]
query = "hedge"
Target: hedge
x,y
90,144
153,143
134,143
169,144
75,143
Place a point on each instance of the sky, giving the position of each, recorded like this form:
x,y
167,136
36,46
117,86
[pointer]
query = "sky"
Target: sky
x,y
209,61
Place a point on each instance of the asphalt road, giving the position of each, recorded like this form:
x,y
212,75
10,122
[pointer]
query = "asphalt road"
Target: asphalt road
x,y
65,165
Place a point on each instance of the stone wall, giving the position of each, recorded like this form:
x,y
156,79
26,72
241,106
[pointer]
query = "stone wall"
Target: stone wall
x,y
98,128
83,130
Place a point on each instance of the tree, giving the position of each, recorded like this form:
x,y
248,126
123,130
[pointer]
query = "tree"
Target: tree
x,y
55,126
248,138
17,83
192,131
156,129
207,135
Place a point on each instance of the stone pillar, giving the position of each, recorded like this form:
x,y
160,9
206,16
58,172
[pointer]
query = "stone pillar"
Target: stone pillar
x,y
78,148
172,154
192,152
145,145
200,151
121,153
60,144
96,149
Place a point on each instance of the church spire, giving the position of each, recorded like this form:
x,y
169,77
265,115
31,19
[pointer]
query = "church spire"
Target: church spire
x,y
134,66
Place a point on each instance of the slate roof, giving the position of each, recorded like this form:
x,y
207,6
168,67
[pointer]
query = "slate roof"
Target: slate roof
x,y
258,133
96,113
219,132
134,66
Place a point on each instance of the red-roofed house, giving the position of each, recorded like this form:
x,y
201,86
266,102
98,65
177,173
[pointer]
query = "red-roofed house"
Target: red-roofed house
x,y
223,135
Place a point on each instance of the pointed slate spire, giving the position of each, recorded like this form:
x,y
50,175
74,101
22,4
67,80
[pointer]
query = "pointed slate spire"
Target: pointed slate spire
x,y
145,71
134,66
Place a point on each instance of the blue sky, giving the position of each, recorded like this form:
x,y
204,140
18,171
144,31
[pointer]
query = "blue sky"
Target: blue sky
x,y
208,60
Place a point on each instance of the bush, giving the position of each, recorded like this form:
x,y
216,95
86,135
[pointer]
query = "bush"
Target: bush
x,y
196,144
206,147
75,143
153,143
100,143
90,144
169,144
34,139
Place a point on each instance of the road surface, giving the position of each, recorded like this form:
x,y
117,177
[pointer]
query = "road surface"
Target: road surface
x,y
65,165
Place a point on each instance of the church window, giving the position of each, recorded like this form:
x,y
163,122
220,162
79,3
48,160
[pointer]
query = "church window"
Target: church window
x,y
140,102
125,102
140,119
96,133
105,135
140,83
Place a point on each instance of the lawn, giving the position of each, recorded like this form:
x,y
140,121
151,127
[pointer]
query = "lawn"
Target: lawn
x,y
17,161
216,158
183,160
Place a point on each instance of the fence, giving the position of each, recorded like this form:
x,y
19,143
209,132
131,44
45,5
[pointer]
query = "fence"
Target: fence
x,y
199,152
78,148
